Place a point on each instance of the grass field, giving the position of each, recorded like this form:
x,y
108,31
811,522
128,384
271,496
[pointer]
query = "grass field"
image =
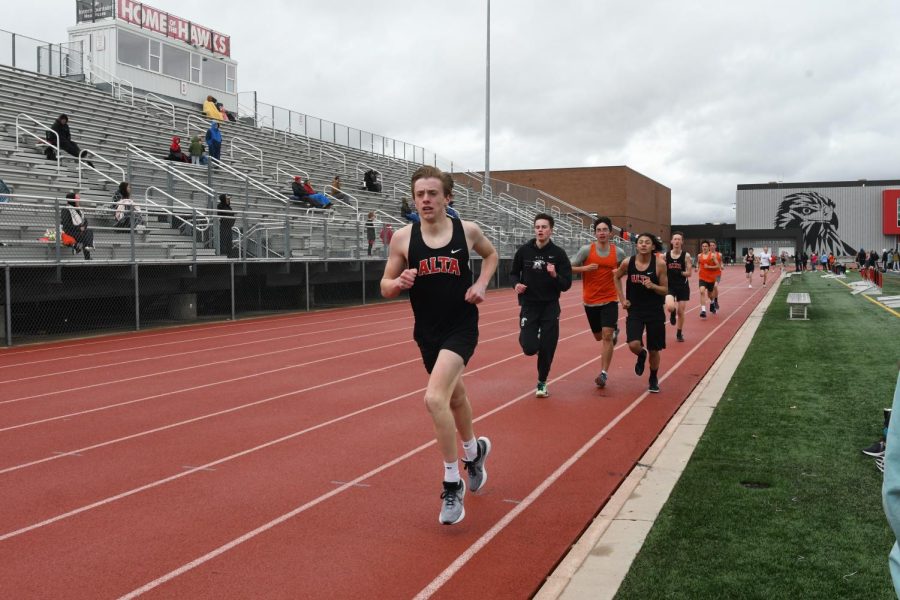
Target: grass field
x,y
778,501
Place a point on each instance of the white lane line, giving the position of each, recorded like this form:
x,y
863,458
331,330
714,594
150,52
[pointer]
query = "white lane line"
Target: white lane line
x,y
243,325
498,527
69,359
229,410
169,372
362,485
236,455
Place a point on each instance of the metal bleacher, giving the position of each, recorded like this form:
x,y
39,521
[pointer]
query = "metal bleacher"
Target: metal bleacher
x,y
127,138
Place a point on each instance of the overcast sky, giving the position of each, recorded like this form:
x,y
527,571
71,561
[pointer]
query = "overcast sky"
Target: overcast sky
x,y
697,95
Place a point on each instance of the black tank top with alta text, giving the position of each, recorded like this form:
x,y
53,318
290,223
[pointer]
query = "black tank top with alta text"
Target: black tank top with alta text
x,y
674,269
438,294
643,300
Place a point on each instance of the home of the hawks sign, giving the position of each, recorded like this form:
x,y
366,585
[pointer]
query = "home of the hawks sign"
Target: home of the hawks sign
x,y
174,27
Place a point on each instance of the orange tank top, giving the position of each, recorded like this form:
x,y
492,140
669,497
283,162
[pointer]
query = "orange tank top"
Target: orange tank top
x,y
598,285
706,272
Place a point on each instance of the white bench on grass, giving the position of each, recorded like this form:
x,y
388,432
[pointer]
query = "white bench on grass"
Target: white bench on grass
x,y
796,301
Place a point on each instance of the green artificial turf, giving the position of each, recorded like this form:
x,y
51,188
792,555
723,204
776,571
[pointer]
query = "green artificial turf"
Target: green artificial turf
x,y
777,500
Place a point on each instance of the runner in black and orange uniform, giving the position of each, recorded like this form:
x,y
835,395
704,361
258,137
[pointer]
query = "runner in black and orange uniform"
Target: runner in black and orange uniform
x,y
678,270
601,292
646,285
707,273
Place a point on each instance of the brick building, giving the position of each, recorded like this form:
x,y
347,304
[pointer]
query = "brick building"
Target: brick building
x,y
630,199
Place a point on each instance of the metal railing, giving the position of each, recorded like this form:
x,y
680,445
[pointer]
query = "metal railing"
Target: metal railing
x,y
257,155
30,54
334,155
168,168
121,89
274,194
43,140
83,163
201,221
161,105
295,170
192,121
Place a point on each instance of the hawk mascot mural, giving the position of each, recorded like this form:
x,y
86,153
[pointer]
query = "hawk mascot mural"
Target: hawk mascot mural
x,y
813,214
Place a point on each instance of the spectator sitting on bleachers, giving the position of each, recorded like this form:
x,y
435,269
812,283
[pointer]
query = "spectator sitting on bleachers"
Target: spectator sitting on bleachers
x,y
196,150
370,181
336,188
226,116
210,110
61,127
75,225
318,200
214,140
408,213
175,152
127,213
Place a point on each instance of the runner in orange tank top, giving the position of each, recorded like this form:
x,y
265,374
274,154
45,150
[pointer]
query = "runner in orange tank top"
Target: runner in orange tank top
x,y
601,292
710,268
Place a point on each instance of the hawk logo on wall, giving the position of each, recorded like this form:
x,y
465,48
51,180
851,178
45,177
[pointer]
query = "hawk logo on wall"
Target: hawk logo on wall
x,y
814,215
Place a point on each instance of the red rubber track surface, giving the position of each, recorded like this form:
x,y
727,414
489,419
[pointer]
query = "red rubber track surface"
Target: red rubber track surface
x,y
292,456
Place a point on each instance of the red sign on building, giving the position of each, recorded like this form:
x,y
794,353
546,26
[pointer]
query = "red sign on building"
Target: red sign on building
x,y
891,212
174,27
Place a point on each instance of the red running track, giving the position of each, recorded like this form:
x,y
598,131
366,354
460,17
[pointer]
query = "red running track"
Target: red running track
x,y
292,457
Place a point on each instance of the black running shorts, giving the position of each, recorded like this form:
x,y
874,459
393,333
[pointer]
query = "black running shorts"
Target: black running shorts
x,y
655,326
709,285
460,340
682,293
604,315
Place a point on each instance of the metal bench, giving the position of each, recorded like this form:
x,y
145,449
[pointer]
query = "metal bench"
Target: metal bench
x,y
796,301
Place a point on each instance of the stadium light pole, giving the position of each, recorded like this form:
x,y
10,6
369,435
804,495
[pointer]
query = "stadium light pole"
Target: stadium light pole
x,y
487,104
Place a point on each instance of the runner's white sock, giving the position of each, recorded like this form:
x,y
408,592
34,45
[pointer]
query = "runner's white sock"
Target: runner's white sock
x,y
451,472
471,448
702,308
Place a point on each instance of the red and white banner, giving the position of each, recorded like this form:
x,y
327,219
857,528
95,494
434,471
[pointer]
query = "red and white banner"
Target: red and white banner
x,y
174,27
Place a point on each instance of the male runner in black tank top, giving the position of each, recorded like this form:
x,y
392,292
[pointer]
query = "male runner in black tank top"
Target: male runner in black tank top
x,y
431,260
645,288
678,270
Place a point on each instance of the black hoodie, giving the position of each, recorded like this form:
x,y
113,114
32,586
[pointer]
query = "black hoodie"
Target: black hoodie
x,y
529,267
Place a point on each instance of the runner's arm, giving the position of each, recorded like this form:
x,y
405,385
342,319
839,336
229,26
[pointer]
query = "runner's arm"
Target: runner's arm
x,y
396,275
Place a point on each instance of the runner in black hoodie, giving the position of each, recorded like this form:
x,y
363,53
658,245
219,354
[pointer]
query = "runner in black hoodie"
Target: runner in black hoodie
x,y
540,272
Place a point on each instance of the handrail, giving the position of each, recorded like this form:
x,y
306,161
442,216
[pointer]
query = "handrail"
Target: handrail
x,y
160,104
249,180
115,83
204,129
82,163
168,168
404,191
403,163
338,155
250,154
366,168
378,212
43,140
193,209
303,139
345,194
335,200
291,174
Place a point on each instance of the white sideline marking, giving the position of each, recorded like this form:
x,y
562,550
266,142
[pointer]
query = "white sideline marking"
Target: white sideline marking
x,y
362,485
470,552
193,468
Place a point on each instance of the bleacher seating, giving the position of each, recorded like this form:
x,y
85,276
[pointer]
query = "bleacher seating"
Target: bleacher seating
x,y
257,165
